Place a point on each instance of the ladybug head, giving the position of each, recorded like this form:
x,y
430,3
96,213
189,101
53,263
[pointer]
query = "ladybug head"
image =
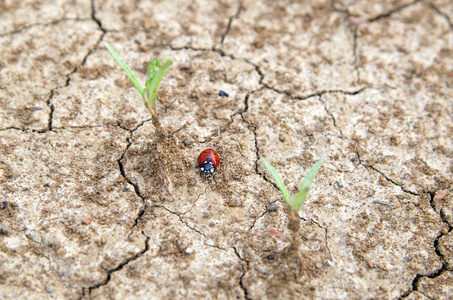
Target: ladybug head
x,y
207,168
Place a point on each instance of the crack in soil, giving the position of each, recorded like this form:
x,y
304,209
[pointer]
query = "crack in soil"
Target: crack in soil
x,y
38,253
332,116
444,219
257,218
230,22
354,53
182,221
52,109
80,127
136,187
241,279
119,267
418,277
95,19
67,83
21,29
198,198
434,7
325,234
392,11
443,268
391,180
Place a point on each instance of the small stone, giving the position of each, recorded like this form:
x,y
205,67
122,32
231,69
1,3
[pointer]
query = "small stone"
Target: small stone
x,y
439,196
149,24
49,289
272,207
271,256
223,94
4,228
187,142
4,205
87,221
319,265
189,250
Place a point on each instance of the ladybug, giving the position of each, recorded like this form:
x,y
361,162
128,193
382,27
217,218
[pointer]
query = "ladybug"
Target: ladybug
x,y
208,161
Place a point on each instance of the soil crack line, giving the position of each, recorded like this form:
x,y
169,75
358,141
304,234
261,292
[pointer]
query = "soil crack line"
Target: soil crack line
x,y
121,265
354,53
434,7
38,253
392,181
241,279
136,187
391,12
182,221
418,277
230,22
332,116
95,19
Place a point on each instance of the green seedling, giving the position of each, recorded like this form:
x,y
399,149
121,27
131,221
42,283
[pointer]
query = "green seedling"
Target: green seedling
x,y
156,71
296,203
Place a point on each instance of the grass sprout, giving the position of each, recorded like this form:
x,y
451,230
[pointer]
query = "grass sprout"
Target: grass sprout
x,y
296,203
156,71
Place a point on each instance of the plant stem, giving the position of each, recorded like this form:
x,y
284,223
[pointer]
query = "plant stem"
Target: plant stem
x,y
294,226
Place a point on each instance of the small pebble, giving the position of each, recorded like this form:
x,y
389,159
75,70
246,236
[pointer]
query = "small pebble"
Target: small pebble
x,y
4,228
187,142
87,221
271,256
319,265
353,159
49,289
4,205
272,207
223,94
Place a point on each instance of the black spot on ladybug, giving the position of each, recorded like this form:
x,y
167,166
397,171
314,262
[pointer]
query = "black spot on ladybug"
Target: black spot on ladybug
x,y
223,94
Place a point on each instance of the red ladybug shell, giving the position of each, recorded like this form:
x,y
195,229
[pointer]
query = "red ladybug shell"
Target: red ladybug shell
x,y
209,153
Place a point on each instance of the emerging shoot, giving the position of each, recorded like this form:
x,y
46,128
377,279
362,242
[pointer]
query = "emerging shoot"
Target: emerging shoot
x,y
296,203
156,71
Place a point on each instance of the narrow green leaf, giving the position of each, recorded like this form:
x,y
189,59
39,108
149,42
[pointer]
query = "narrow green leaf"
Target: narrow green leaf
x,y
306,183
126,69
153,67
278,180
161,71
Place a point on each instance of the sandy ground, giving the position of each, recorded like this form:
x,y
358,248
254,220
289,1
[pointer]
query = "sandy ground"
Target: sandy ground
x,y
95,205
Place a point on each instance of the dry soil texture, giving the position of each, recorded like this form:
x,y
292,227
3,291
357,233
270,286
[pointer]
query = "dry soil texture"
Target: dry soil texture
x,y
96,205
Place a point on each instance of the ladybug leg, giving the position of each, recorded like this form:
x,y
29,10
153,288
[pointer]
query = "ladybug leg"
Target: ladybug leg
x,y
213,175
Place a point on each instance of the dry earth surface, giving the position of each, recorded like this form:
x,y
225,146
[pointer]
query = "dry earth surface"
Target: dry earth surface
x,y
94,206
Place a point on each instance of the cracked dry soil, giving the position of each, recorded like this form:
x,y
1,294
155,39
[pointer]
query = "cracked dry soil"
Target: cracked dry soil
x,y
94,206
